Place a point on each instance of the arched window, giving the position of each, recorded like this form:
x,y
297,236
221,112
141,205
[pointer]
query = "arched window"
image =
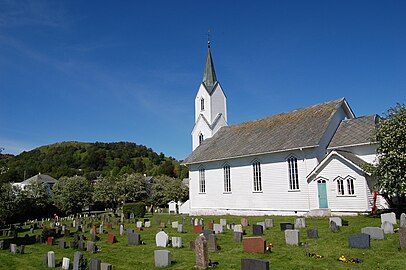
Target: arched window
x,y
350,185
202,180
201,138
227,178
202,104
340,186
256,169
293,173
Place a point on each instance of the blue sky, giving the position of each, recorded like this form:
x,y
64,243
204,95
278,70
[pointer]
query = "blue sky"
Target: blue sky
x,y
129,70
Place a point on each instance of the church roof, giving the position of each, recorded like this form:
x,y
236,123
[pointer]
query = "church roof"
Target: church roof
x,y
356,131
209,75
301,128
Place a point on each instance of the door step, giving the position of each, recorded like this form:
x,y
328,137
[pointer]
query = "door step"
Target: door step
x,y
319,213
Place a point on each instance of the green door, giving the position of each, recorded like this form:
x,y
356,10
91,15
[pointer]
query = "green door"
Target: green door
x,y
321,186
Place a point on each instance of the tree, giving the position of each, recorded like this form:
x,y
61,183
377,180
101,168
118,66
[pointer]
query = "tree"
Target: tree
x,y
106,191
71,194
131,188
37,193
166,189
7,202
390,170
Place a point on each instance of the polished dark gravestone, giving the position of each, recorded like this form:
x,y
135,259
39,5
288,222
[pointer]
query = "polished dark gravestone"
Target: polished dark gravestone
x,y
286,226
207,233
312,233
257,229
360,240
254,264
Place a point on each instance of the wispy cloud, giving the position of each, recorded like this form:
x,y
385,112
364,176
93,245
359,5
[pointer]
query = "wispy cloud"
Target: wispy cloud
x,y
14,147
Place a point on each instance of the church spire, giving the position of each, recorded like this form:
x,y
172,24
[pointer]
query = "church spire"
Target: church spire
x,y
209,76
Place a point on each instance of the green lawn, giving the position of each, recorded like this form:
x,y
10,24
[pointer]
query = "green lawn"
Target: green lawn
x,y
382,254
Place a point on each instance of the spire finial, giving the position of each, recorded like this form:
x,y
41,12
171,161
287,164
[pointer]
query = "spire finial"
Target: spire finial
x,y
208,38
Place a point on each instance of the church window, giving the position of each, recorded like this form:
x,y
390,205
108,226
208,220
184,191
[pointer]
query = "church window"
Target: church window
x,y
202,104
227,178
202,180
293,174
340,186
201,138
350,185
256,168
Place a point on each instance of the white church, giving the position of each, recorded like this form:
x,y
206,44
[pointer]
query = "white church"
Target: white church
x,y
302,162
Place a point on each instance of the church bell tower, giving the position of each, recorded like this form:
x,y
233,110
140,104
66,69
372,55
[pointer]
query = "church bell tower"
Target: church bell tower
x,y
210,105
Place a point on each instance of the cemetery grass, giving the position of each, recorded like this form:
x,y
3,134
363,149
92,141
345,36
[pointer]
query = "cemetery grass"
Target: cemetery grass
x,y
383,254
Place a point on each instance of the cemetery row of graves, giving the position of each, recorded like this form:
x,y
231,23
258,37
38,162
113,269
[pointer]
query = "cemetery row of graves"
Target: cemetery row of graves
x,y
103,241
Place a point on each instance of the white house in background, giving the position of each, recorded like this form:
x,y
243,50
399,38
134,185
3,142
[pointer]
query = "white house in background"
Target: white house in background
x,y
303,161
47,180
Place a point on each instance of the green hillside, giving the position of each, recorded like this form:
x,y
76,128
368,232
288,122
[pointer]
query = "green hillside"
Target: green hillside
x,y
89,160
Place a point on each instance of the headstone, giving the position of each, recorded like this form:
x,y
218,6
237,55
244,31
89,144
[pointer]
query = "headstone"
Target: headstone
x,y
139,224
78,261
22,249
207,233
254,244
101,231
147,224
192,221
94,264
387,227
292,237
257,229
106,266
402,220
312,233
162,258
162,225
254,264
176,242
13,248
81,245
121,229
45,260
244,222
50,240
286,226
223,222
161,239
389,217
91,247
218,228
238,228
268,223
51,259
65,263
237,237
175,224
212,242
72,244
198,228
67,232
201,222
210,225
201,252
374,232
333,226
111,238
337,220
134,238
192,245
169,222
196,221
300,223
402,238
109,226
62,244
180,228
360,240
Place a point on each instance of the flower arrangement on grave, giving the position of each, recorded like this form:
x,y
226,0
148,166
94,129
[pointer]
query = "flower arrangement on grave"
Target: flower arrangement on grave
x,y
315,255
269,248
349,260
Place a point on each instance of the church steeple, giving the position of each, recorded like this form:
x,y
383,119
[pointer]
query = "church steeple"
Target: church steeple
x,y
209,75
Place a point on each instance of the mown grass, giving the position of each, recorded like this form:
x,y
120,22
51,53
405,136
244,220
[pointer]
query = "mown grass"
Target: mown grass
x,y
382,254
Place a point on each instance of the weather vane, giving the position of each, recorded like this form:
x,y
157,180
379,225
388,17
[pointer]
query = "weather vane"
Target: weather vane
x,y
208,38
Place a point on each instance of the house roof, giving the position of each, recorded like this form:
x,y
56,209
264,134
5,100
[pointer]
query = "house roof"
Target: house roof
x,y
301,128
356,131
44,178
209,75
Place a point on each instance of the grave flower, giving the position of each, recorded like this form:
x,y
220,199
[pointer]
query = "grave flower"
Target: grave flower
x,y
269,248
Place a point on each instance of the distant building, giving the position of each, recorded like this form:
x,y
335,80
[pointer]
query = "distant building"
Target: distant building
x,y
47,180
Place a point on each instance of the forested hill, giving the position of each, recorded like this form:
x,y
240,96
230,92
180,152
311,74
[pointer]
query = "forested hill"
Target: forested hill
x,y
89,160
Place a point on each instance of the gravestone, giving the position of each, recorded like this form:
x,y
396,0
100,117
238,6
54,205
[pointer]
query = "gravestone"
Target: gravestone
x,y
292,237
65,263
201,222
109,226
62,244
139,224
81,245
94,264
262,223
333,227
101,231
78,262
374,232
192,245
183,221
175,224
147,224
300,223
254,264
106,266
196,221
389,217
22,249
91,246
360,240
162,225
257,229
212,243
223,222
45,260
237,237
176,242
254,244
162,258
198,229
192,220
201,252
169,222
238,228
50,240
337,221
286,226
210,225
402,220
387,227
180,228
207,233
13,248
51,259
121,229
111,238
268,223
244,222
161,239
218,228
312,233
402,238
72,244
133,238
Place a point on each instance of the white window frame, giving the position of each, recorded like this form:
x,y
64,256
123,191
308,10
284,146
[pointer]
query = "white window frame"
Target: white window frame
x,y
227,178
202,180
293,173
201,138
340,186
256,176
350,185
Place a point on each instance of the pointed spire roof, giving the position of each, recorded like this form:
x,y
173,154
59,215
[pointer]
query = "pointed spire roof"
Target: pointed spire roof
x,y
209,76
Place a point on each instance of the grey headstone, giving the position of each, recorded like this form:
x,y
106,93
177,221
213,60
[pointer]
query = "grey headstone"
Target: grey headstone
x,y
333,227
402,238
13,248
374,232
254,264
161,239
300,223
133,238
147,224
389,217
192,221
402,220
268,223
78,261
51,259
65,263
192,245
238,228
176,242
237,237
72,244
62,244
337,221
139,224
95,264
286,226
162,258
387,227
262,223
223,222
312,233
175,224
180,228
91,246
106,266
121,229
292,237
257,229
360,240
22,249
207,233
212,242
81,245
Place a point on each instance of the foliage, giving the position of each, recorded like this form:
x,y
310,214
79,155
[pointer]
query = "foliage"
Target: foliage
x,y
166,189
138,208
89,160
131,188
71,194
8,202
390,170
105,191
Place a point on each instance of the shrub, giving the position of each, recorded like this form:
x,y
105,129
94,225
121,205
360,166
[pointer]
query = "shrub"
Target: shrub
x,y
138,208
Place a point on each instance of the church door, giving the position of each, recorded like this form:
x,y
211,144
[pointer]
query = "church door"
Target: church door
x,y
321,186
